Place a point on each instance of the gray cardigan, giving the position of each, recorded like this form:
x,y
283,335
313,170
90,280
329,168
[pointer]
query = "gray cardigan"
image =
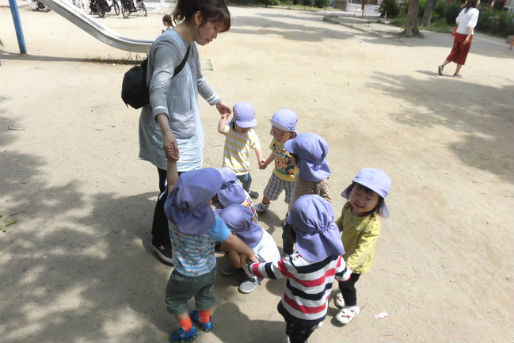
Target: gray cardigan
x,y
177,98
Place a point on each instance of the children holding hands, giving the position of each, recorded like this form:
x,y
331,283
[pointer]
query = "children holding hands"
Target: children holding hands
x,y
311,271
309,152
194,230
240,138
239,219
301,169
283,128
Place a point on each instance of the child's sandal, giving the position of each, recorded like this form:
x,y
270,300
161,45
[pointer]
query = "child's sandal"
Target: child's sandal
x,y
347,313
339,300
195,316
183,336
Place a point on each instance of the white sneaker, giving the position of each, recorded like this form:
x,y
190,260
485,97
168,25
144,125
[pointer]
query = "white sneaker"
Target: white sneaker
x,y
249,285
339,300
347,313
261,207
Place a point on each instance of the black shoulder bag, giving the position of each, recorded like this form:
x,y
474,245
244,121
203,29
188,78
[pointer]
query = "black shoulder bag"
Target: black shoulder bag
x,y
134,91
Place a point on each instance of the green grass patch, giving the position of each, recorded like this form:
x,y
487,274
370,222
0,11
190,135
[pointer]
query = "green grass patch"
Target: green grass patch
x,y
399,21
439,26
5,222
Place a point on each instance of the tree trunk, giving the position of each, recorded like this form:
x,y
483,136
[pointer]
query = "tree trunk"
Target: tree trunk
x,y
427,13
363,5
411,26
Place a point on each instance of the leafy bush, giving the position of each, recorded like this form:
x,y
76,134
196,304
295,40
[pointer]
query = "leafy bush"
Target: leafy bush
x,y
399,21
308,2
496,22
451,13
389,8
321,3
505,24
440,9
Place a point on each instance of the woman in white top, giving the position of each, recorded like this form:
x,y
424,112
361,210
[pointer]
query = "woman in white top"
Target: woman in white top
x,y
466,20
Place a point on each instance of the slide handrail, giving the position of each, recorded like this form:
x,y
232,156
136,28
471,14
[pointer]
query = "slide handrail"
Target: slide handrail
x,y
97,30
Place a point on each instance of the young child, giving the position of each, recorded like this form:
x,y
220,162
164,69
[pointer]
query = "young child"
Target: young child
x,y
283,128
240,138
194,229
166,22
309,152
239,219
360,227
232,192
310,272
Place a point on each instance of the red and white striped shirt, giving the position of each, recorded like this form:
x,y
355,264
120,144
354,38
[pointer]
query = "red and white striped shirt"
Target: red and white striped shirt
x,y
308,285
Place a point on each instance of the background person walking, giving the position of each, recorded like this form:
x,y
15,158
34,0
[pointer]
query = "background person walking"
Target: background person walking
x,y
466,20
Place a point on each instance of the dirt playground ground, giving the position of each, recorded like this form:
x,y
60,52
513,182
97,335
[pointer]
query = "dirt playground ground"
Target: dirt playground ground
x,y
76,266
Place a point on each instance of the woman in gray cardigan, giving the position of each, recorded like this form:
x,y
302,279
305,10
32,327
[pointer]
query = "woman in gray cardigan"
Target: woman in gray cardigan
x,y
170,124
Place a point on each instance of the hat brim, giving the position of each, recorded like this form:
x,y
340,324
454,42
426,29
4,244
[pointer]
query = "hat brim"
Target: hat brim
x,y
317,247
246,124
231,195
313,172
383,211
279,126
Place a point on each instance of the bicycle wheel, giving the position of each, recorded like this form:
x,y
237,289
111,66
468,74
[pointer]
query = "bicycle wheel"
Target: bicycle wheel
x,y
143,8
116,7
125,11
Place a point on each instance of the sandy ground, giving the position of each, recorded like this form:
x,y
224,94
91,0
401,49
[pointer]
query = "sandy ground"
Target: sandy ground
x,y
76,267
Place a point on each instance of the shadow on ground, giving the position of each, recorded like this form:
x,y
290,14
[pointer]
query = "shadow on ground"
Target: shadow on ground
x,y
487,122
68,235
254,330
265,25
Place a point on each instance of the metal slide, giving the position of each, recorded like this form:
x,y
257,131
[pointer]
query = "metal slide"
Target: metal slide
x,y
95,29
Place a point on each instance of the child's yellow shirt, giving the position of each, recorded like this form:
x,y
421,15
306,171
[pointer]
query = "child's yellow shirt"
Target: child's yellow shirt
x,y
359,235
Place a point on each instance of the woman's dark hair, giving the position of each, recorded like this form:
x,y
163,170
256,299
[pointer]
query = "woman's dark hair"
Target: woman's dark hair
x,y
470,3
367,190
166,19
215,11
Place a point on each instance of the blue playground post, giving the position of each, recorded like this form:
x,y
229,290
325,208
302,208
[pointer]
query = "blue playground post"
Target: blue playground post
x,y
17,25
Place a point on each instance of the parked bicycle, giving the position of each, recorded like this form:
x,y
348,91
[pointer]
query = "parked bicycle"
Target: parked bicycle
x,y
127,7
101,7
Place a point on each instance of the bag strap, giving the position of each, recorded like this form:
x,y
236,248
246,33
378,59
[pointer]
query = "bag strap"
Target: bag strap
x,y
181,65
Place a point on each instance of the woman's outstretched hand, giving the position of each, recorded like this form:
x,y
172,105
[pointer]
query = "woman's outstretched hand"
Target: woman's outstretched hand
x,y
223,109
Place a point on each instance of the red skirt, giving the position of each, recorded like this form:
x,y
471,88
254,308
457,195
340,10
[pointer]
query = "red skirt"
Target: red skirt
x,y
459,51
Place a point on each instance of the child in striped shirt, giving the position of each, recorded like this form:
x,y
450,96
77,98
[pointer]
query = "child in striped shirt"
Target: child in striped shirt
x,y
240,138
194,230
311,270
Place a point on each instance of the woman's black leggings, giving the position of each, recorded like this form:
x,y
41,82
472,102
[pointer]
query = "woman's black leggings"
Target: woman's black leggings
x,y
160,230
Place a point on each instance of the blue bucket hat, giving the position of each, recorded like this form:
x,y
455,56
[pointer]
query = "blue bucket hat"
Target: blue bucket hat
x,y
187,205
244,115
317,236
312,150
375,179
231,191
239,219
284,119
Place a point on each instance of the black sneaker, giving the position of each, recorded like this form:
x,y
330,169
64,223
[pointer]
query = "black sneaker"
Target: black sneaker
x,y
163,253
253,195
